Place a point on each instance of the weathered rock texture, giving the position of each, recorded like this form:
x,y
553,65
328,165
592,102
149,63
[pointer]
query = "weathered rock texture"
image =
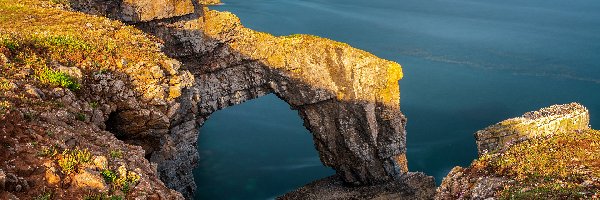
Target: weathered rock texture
x,y
348,98
209,2
123,94
135,10
410,186
467,183
556,118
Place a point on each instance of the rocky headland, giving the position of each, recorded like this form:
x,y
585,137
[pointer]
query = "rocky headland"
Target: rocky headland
x,y
104,99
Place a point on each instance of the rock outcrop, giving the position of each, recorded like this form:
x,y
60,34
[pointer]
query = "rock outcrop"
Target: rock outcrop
x,y
414,186
547,154
91,84
556,118
348,98
134,10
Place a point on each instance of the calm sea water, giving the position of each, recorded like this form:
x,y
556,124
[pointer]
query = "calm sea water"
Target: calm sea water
x,y
467,64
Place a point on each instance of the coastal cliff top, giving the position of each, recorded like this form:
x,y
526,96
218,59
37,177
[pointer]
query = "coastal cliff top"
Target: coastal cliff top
x,y
62,76
553,155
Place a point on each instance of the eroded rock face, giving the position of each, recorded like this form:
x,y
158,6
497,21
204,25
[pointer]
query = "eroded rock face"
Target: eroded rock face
x,y
135,10
348,98
556,118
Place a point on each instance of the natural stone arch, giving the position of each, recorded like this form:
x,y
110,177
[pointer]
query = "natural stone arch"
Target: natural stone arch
x,y
348,98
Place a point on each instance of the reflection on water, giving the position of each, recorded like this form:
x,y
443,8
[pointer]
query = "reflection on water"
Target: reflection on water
x,y
467,64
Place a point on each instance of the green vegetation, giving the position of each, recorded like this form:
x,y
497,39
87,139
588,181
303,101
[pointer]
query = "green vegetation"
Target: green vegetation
x,y
5,106
48,151
70,160
57,78
44,196
102,196
123,180
109,175
94,105
545,191
71,39
552,167
80,116
116,154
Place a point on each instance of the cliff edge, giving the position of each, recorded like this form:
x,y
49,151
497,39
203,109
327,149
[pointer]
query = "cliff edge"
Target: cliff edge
x,y
547,154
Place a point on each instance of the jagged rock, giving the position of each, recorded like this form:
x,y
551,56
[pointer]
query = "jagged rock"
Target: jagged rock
x,y
461,183
33,91
90,179
556,118
210,2
413,186
14,183
71,71
2,179
134,10
100,162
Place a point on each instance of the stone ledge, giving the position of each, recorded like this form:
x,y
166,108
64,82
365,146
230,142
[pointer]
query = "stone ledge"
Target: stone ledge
x,y
546,121
412,185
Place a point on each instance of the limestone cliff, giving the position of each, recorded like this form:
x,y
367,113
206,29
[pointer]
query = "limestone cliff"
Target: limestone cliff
x,y
348,98
122,91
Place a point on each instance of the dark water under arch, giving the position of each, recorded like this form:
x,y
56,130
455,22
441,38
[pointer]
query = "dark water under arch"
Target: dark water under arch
x,y
256,150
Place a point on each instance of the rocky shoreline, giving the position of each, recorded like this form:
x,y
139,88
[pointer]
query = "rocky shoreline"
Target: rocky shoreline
x,y
109,103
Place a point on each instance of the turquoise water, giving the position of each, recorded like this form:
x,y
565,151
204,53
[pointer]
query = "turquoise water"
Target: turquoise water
x,y
467,64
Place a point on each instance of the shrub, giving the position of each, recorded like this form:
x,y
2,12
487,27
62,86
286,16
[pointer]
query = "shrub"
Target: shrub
x,y
109,175
70,160
123,180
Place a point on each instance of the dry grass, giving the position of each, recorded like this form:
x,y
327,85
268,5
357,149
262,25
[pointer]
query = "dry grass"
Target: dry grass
x,y
563,166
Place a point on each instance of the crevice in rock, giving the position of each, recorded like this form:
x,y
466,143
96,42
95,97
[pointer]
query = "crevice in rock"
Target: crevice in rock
x,y
114,124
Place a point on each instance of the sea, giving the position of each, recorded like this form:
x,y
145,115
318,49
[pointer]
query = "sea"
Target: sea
x,y
467,64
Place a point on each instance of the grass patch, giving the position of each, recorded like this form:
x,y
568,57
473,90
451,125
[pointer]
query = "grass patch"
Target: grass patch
x,y
44,196
94,104
545,191
550,167
65,42
57,78
80,116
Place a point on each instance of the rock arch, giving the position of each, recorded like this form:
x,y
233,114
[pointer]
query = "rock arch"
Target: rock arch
x,y
348,98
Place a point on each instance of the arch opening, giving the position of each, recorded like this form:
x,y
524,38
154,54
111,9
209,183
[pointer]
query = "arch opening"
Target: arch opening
x,y
255,150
